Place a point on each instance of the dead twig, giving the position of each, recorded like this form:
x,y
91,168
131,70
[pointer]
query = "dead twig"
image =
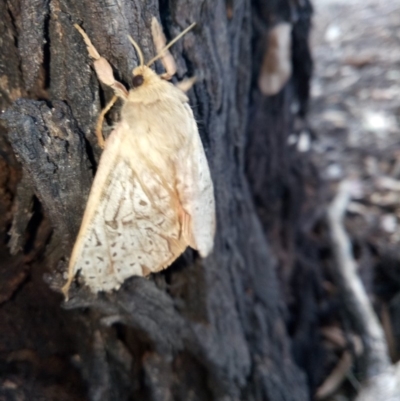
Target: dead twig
x,y
336,377
355,297
382,379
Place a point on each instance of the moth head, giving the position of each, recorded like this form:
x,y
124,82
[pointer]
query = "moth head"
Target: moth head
x,y
141,73
137,80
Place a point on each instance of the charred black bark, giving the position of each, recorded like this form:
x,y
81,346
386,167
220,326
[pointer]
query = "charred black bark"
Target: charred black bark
x,y
209,329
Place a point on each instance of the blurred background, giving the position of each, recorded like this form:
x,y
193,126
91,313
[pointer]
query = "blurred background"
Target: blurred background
x,y
355,133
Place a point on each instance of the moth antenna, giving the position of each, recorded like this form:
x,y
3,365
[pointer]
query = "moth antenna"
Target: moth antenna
x,y
173,41
138,50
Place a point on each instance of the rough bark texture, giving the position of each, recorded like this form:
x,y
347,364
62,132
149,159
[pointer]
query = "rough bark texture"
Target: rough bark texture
x,y
211,329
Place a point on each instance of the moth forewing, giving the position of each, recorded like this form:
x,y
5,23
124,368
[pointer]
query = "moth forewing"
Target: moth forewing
x,y
107,161
196,190
152,195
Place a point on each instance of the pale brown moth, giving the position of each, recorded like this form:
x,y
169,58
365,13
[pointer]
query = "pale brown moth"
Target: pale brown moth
x,y
152,195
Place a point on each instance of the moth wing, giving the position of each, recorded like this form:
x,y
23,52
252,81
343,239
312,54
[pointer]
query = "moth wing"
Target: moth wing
x,y
196,191
124,232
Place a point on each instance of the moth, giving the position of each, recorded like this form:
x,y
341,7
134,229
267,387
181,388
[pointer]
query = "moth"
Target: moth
x,y
152,195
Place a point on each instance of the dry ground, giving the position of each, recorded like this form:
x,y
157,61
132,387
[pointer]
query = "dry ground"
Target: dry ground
x,y
355,133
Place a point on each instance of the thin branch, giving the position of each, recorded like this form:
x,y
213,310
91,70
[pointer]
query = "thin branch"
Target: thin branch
x,y
355,296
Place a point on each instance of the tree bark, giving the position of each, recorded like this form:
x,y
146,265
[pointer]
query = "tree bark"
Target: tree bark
x,y
212,329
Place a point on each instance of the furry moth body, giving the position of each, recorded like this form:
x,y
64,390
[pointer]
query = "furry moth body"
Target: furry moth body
x,y
152,195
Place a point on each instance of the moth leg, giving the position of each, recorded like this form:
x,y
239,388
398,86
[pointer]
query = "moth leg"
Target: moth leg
x,y
100,120
166,75
102,67
65,288
186,228
160,41
186,84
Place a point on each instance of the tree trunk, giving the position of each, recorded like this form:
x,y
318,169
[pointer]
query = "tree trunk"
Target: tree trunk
x,y
212,329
